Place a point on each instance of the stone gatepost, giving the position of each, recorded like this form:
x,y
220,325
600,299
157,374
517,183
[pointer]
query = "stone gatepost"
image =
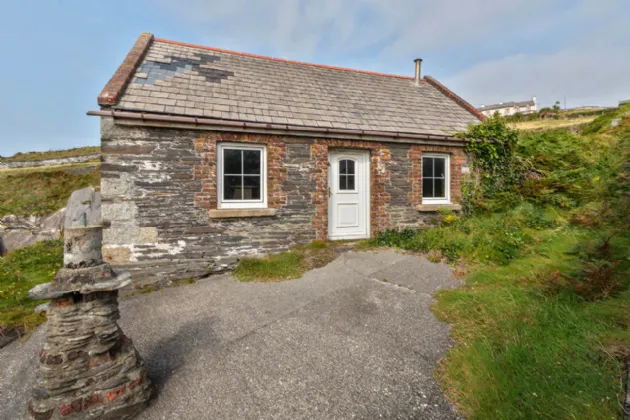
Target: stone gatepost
x,y
88,368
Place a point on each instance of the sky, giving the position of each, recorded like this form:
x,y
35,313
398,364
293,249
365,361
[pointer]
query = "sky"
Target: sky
x,y
57,55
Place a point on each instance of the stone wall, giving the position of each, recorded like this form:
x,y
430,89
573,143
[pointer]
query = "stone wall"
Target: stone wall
x,y
51,162
159,189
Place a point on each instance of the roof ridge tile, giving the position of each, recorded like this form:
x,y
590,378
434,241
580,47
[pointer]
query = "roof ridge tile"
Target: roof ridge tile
x,y
282,60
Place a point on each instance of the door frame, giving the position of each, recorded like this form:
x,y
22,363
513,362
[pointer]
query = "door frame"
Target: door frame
x,y
360,154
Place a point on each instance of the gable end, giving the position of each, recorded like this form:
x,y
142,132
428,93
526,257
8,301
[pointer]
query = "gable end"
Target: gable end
x,y
114,88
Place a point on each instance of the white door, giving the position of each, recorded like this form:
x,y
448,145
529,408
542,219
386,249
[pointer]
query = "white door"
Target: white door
x,y
348,194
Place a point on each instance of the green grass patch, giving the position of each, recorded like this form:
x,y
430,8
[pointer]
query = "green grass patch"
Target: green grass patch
x,y
20,271
275,267
43,190
52,154
289,265
524,352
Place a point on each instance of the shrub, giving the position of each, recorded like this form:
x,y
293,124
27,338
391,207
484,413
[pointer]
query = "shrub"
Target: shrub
x,y
597,279
494,168
536,218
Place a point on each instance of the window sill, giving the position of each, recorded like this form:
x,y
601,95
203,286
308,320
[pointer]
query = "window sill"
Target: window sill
x,y
436,207
235,213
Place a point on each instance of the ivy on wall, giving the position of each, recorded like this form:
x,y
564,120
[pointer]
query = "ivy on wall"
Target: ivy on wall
x,y
495,168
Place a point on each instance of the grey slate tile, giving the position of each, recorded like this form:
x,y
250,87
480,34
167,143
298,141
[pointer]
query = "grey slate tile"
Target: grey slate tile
x,y
174,79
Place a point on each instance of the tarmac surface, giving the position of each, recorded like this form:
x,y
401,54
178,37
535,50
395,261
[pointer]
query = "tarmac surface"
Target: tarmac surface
x,y
353,340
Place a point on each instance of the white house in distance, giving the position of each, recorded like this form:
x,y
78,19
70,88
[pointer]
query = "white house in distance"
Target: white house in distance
x,y
509,108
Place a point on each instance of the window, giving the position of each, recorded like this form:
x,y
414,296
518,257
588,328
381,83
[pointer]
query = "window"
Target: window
x,y
241,173
346,175
435,179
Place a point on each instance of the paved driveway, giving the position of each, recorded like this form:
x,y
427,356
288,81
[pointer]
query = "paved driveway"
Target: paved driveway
x,y
355,339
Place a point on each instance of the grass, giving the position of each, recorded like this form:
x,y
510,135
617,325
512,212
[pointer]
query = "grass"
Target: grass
x,y
20,271
286,265
524,352
525,349
43,190
552,124
52,154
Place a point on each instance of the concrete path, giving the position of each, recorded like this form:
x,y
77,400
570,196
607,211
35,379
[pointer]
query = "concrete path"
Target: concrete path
x,y
352,340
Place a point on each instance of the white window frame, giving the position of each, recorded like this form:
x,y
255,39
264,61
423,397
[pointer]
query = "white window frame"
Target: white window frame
x,y
447,182
242,204
356,182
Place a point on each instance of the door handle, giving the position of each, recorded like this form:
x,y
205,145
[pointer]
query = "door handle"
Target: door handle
x,y
329,192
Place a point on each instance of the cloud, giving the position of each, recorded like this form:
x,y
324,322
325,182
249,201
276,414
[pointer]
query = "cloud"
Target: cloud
x,y
399,26
489,50
594,77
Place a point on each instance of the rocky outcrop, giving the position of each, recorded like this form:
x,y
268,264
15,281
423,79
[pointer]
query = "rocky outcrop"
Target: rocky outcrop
x,y
17,232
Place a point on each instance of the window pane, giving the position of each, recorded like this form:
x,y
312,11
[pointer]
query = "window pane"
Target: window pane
x,y
427,188
251,189
343,167
351,181
427,167
232,187
232,161
251,161
350,167
439,167
439,188
343,182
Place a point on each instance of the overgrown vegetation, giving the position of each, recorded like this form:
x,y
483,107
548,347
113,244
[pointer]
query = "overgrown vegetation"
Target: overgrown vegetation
x,y
51,154
542,322
20,271
43,190
288,265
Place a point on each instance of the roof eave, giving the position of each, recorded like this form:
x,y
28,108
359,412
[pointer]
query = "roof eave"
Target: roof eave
x,y
146,118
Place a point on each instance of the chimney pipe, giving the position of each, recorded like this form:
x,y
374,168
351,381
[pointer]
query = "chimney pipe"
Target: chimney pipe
x,y
418,62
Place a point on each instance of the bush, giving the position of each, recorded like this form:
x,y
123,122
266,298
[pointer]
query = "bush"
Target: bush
x,y
495,170
597,278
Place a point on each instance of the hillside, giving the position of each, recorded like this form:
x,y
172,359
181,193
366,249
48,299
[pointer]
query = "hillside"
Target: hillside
x,y
42,190
552,118
551,124
51,154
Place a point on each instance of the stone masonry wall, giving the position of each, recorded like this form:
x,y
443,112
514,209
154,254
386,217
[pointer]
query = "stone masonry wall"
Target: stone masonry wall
x,y
159,185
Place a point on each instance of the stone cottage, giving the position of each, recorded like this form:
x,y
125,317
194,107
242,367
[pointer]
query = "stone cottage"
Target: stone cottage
x,y
209,155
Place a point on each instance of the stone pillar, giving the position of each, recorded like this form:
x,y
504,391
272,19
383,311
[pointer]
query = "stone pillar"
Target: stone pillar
x,y
88,368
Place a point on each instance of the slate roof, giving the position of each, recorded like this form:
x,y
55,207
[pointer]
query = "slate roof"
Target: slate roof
x,y
506,105
186,80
